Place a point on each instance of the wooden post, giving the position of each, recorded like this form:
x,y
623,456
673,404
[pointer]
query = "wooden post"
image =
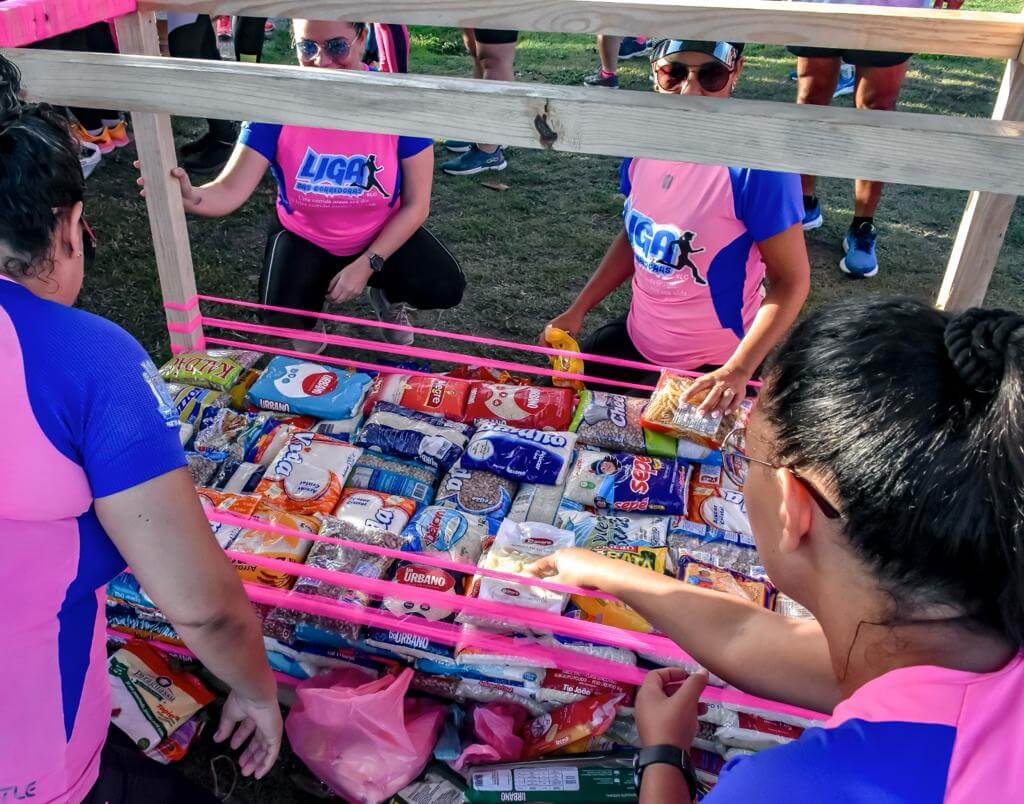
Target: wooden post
x,y
983,226
154,142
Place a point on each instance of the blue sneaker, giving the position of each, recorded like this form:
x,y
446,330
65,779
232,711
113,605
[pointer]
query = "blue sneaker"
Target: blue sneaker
x,y
629,48
812,217
475,161
457,146
859,245
847,81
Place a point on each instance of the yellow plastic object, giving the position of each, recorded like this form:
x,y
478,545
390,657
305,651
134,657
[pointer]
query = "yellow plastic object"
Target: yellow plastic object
x,y
560,339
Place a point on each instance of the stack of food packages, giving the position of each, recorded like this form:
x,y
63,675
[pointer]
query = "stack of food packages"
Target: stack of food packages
x,y
483,470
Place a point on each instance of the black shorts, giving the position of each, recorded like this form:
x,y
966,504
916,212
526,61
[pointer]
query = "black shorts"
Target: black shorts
x,y
495,36
858,58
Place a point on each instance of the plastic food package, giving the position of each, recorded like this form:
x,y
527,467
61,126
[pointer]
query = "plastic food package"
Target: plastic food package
x,y
389,475
441,396
224,430
566,725
643,484
605,531
308,475
788,607
717,511
706,576
150,700
612,422
374,509
412,435
289,385
341,429
139,623
485,374
527,456
245,478
588,471
583,685
607,612
670,412
560,339
474,661
243,505
476,492
174,747
273,545
528,406
201,467
534,503
566,780
720,550
439,530
217,369
191,402
124,589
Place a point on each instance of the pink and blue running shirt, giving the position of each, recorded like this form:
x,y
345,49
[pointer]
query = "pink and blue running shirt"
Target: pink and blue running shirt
x,y
917,735
698,273
336,189
84,414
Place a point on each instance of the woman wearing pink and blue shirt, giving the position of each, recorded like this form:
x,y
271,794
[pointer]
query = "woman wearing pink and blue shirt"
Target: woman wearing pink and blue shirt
x,y
350,207
884,480
700,243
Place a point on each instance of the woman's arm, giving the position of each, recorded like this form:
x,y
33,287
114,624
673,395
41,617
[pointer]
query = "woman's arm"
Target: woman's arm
x,y
417,184
159,528
789,279
753,649
615,268
226,193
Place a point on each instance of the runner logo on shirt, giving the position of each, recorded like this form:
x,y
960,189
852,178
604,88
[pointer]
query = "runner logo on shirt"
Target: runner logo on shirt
x,y
339,174
164,400
662,250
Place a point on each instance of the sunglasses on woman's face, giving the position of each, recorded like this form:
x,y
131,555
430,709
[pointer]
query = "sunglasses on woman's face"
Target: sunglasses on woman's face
x,y
712,76
337,48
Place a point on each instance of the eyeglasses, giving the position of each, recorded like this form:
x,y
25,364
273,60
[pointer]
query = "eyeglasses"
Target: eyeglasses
x,y
337,48
737,464
712,76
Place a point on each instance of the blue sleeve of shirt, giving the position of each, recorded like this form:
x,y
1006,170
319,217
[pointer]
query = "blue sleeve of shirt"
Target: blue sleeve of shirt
x,y
766,201
625,185
262,138
410,146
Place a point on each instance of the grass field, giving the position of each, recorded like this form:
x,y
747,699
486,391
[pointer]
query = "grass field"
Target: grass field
x,y
527,250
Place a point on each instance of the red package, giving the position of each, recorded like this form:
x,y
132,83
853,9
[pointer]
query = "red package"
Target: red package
x,y
581,684
557,729
484,374
445,396
522,406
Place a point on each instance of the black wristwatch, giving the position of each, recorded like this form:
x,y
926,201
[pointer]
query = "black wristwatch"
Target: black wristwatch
x,y
669,755
376,262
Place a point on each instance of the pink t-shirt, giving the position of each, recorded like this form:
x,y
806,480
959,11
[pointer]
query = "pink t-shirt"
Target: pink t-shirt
x,y
698,275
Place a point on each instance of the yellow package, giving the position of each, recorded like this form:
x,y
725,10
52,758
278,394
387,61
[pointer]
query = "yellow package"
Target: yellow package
x,y
241,388
611,612
273,545
560,339
652,558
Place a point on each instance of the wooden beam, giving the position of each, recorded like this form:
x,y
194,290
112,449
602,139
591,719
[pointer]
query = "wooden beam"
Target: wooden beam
x,y
986,218
960,33
23,22
922,149
154,142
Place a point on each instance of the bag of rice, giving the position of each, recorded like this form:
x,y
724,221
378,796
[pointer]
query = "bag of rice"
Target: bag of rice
x,y
612,422
412,435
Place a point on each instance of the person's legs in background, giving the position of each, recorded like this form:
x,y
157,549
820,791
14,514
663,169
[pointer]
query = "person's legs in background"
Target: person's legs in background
x,y
608,74
817,76
249,38
612,340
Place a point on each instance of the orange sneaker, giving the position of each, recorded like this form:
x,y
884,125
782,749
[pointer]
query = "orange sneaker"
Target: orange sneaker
x,y
101,140
119,134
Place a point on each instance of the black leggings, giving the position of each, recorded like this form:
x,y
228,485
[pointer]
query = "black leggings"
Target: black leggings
x,y
297,273
129,777
197,40
249,37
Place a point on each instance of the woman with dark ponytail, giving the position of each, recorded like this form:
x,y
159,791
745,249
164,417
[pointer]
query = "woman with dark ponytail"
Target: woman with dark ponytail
x,y
93,477
885,488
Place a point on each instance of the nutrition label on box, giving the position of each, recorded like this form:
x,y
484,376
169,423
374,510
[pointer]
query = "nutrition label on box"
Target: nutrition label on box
x,y
547,779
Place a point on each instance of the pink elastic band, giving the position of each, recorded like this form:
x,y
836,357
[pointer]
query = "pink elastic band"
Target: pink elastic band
x,y
185,306
186,327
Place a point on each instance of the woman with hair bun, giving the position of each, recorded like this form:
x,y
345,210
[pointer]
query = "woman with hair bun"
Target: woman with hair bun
x,y
885,488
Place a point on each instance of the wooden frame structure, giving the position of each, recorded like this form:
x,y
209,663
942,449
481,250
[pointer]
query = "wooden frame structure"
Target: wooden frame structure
x,y
985,156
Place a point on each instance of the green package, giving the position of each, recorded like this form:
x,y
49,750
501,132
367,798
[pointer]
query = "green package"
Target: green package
x,y
579,779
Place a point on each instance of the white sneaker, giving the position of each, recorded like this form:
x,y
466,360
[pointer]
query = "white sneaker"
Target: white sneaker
x,y
389,313
312,347
89,156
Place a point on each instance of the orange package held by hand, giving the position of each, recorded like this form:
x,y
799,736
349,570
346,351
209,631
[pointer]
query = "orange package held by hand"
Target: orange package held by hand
x,y
309,473
273,545
569,724
672,411
560,339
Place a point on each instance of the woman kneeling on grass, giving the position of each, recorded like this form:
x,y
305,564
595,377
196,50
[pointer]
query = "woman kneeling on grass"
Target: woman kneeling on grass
x,y
885,488
699,242
350,207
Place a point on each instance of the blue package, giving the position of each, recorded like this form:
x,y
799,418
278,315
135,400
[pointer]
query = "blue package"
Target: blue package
x,y
389,481
447,531
449,744
413,435
644,484
289,385
476,492
406,645
529,456
124,589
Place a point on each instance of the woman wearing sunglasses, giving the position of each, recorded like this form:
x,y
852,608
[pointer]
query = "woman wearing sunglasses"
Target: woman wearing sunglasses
x,y
350,207
885,489
699,241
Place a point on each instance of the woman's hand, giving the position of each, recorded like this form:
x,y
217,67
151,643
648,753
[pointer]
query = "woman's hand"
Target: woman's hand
x,y
570,321
575,566
191,198
243,718
725,387
350,281
667,707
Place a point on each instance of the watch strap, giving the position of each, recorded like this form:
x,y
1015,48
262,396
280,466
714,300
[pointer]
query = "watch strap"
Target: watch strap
x,y
668,755
376,261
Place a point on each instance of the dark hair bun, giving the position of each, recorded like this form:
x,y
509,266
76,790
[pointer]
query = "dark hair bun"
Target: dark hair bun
x,y
978,342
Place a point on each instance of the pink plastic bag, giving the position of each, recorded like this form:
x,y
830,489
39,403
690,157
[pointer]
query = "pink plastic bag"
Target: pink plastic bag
x,y
495,727
365,740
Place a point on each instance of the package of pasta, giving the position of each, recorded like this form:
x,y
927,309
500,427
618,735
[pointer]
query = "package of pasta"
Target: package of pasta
x,y
476,491
441,396
273,545
374,509
383,473
526,456
445,531
150,699
607,531
534,503
731,582
719,549
202,467
568,724
290,385
612,422
530,406
225,430
560,339
412,435
216,369
192,402
308,474
672,411
641,484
